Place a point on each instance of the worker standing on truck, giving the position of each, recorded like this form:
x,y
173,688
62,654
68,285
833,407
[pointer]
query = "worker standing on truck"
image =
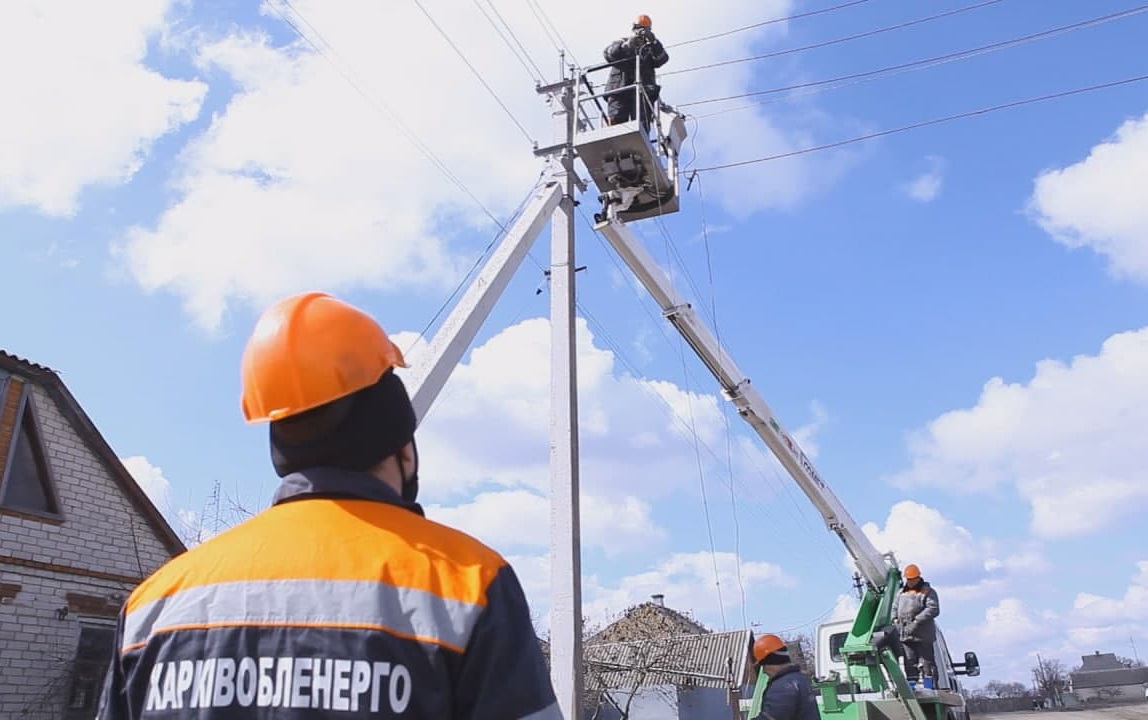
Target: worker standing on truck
x,y
341,599
916,611
643,49
789,694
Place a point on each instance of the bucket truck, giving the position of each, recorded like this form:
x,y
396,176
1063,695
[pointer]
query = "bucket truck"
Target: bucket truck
x,y
859,675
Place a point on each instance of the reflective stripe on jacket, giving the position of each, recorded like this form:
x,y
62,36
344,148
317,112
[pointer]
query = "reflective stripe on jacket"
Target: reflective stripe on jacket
x,y
338,601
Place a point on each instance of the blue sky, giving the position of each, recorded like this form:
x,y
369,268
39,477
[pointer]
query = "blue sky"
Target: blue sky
x,y
140,251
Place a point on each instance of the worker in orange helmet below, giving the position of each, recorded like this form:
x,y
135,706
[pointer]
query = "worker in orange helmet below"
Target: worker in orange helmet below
x,y
915,614
634,59
341,599
789,695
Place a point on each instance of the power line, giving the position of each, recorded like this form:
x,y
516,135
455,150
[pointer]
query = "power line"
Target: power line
x,y
549,36
478,261
724,406
838,41
536,77
474,70
561,40
934,60
925,123
743,28
379,105
514,36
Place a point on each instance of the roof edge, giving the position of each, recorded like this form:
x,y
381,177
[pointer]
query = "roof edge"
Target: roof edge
x,y
70,407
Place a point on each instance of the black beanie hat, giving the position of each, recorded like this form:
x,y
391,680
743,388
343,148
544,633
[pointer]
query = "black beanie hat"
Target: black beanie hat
x,y
355,432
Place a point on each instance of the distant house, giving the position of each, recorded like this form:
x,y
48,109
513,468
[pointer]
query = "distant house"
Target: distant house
x,y
655,662
77,534
1103,677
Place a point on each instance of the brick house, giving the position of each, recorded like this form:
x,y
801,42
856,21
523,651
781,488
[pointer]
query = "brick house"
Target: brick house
x,y
654,661
77,534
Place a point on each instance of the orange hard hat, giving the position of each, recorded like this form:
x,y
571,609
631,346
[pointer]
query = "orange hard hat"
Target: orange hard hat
x,y
309,349
912,571
766,645
644,21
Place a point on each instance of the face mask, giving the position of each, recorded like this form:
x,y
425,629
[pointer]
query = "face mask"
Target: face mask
x,y
411,482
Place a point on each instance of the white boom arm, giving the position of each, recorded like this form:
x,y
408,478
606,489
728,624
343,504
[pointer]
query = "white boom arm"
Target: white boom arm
x,y
750,405
460,327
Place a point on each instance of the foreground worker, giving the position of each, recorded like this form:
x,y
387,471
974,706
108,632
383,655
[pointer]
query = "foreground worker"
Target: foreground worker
x,y
645,51
915,612
340,600
789,695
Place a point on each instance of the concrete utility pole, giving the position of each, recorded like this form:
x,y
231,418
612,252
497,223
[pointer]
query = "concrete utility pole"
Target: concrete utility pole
x,y
565,543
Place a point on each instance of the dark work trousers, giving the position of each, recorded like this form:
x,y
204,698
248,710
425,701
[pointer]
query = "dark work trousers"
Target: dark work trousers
x,y
620,106
919,652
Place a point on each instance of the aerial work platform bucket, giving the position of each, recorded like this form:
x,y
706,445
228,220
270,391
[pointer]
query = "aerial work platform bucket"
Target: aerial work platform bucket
x,y
636,174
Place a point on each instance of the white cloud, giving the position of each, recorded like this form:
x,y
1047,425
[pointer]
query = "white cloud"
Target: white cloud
x,y
1098,202
690,585
845,609
686,579
919,534
1009,637
151,479
963,567
1014,631
301,181
806,434
1069,441
490,423
1093,610
926,187
190,525
521,519
80,107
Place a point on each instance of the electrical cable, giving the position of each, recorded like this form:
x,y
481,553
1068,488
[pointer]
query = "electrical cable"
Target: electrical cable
x,y
514,36
561,40
380,106
939,59
840,40
925,123
798,16
477,262
724,405
477,74
536,77
549,36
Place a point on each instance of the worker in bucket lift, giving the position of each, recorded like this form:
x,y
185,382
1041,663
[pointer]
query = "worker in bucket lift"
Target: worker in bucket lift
x,y
643,49
789,695
341,599
915,613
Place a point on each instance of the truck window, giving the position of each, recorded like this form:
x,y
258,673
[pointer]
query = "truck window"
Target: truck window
x,y
835,642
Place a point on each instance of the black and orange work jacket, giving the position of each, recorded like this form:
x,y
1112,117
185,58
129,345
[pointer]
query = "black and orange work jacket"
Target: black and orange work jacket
x,y
341,601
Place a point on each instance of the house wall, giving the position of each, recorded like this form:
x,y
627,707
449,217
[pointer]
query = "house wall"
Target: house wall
x,y
661,702
1114,692
69,574
705,703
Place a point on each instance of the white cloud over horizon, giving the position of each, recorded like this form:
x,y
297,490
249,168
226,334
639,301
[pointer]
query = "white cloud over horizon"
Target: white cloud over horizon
x,y
1014,630
1068,441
